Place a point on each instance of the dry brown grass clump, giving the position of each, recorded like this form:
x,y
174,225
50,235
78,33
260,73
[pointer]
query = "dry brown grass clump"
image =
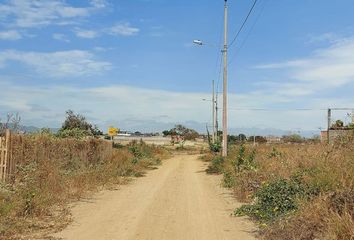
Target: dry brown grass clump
x,y
52,172
295,191
325,217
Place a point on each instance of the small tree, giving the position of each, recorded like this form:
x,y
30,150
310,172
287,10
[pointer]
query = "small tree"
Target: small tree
x,y
232,139
186,133
293,138
168,133
12,122
338,124
76,125
242,137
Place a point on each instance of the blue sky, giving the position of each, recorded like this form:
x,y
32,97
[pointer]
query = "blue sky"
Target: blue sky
x,y
132,64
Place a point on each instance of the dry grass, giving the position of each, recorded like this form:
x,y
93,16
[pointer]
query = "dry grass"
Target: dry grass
x,y
323,207
53,172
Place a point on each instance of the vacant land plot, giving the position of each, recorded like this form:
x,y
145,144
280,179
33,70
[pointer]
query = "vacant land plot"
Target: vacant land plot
x,y
294,191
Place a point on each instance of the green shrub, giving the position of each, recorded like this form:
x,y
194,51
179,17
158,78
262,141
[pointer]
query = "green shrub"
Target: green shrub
x,y
216,165
215,147
274,153
276,199
244,162
228,180
73,133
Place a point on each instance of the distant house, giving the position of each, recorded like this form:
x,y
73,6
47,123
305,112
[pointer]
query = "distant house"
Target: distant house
x,y
273,139
335,134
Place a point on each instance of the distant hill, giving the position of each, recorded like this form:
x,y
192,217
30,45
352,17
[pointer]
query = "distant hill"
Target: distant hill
x,y
154,126
32,129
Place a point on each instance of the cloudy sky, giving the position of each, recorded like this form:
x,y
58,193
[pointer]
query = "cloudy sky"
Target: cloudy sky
x,y
132,64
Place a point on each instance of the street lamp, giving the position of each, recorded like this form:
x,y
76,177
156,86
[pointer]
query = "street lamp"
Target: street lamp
x,y
198,42
224,110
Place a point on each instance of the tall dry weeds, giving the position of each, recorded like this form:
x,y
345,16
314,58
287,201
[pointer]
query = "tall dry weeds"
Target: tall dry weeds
x,y
51,172
323,206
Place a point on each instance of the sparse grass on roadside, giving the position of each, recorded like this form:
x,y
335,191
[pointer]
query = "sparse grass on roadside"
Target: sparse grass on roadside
x,y
294,191
54,172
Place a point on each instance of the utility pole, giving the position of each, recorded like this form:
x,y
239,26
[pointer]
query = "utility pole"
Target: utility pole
x,y
216,118
224,110
213,113
329,119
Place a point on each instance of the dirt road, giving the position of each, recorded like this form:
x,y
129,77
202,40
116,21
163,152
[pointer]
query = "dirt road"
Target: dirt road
x,y
176,201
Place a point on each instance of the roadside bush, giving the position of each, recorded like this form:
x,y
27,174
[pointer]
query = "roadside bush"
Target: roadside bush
x,y
215,147
228,180
317,219
239,168
244,162
275,199
216,165
73,133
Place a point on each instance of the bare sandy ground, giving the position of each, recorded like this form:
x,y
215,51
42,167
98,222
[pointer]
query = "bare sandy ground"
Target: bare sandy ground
x,y
176,201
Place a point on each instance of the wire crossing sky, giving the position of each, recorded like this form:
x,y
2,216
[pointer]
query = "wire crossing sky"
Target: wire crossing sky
x,y
132,63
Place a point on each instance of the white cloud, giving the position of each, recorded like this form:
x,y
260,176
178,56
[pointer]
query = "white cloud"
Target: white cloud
x,y
122,29
60,37
128,107
287,64
326,37
10,35
72,63
326,68
99,3
34,13
86,33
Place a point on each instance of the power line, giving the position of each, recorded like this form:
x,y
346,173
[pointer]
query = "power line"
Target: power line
x,y
288,109
238,49
244,23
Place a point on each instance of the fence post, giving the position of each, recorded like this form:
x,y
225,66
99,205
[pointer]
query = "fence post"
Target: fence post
x,y
7,153
2,157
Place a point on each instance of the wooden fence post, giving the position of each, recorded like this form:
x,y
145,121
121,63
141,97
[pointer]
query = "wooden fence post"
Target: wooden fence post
x,y
5,153
2,157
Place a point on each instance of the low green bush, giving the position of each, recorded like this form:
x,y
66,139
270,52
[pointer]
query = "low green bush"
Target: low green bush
x,y
244,161
228,180
73,133
277,199
215,147
216,165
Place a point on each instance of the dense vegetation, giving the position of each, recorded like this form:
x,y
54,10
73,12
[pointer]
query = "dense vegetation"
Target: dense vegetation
x,y
293,191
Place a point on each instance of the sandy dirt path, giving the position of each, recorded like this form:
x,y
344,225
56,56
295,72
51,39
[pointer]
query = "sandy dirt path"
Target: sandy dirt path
x,y
177,201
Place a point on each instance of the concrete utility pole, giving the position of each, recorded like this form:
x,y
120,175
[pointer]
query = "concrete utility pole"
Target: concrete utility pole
x,y
329,119
214,113
224,110
216,118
